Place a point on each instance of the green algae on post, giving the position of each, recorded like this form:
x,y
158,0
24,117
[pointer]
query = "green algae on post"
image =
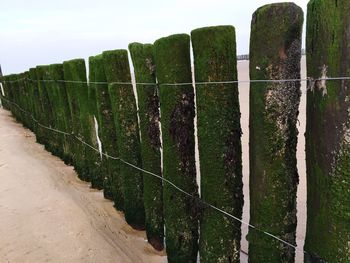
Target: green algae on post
x,y
328,132
219,139
63,115
46,115
148,102
33,86
77,93
172,58
275,53
112,183
123,101
56,138
96,170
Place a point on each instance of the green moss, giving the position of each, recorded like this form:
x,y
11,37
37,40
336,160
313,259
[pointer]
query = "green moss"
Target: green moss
x,y
219,133
327,130
123,102
63,116
36,106
275,52
77,93
112,183
15,96
27,99
46,116
148,102
177,113
96,170
56,138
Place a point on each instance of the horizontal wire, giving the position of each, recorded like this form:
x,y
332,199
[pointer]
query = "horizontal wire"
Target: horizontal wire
x,y
185,83
172,184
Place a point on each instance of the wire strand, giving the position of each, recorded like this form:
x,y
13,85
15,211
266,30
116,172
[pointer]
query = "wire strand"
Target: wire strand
x,y
185,83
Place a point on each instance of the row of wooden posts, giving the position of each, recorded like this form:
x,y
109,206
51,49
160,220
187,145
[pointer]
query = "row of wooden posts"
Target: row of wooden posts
x,y
104,109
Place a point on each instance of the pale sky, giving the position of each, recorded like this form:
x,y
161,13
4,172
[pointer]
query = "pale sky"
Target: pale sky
x,y
39,32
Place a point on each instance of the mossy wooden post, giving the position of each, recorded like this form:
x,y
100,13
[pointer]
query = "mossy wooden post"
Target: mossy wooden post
x,y
63,111
219,139
96,157
3,93
123,101
7,88
112,183
172,58
23,98
27,98
77,91
35,102
41,111
46,116
14,84
20,87
275,53
56,138
148,102
9,79
328,132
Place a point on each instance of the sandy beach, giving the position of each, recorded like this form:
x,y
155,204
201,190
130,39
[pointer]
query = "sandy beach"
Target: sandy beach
x,y
48,215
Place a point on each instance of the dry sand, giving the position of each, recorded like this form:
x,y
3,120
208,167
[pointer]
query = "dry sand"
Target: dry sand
x,y
48,215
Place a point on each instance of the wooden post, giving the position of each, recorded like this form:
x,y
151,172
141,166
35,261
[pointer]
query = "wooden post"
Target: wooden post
x,y
56,138
76,85
148,101
172,58
275,53
46,114
117,71
36,106
63,115
112,184
328,132
96,174
219,139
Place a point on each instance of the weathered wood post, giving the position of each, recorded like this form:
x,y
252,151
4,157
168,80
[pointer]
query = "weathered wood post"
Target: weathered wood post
x,y
76,85
219,139
63,115
328,132
56,138
116,64
27,99
13,84
36,106
172,58
275,53
112,183
46,116
148,101
95,161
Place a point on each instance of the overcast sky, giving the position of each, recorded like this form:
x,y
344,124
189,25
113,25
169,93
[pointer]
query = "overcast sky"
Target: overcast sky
x,y
37,32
